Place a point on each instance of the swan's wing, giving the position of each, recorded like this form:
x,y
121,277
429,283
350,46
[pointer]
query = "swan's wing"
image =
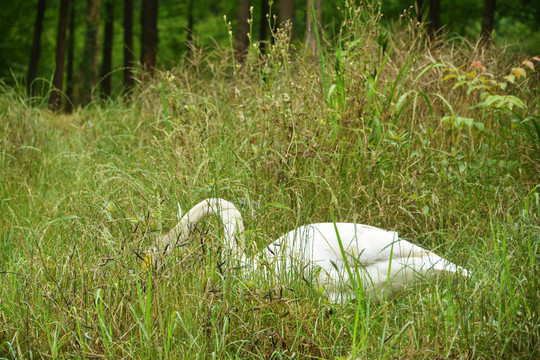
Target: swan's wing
x,y
378,254
367,244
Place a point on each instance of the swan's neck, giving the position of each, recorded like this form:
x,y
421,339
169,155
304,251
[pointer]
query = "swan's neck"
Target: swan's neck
x,y
229,214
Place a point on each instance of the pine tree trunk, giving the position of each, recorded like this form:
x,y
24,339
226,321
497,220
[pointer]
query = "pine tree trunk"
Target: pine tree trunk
x,y
242,40
35,51
434,17
286,16
107,49
90,63
55,101
420,11
128,44
263,30
70,56
488,21
149,35
310,34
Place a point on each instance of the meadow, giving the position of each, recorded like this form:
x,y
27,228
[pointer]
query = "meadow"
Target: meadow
x,y
439,140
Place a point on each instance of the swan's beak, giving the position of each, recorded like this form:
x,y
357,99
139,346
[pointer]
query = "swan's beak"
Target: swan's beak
x,y
152,260
148,262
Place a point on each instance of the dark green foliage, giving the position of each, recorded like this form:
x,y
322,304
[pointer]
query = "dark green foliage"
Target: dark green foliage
x,y
515,21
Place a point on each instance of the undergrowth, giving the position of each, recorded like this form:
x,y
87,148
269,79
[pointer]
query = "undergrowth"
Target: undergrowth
x,y
400,135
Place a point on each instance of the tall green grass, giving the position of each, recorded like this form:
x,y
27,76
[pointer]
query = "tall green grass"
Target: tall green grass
x,y
83,193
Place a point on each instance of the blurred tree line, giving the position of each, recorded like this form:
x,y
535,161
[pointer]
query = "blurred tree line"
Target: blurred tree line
x,y
515,22
96,44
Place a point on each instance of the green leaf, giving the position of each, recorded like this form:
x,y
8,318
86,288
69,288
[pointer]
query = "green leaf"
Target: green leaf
x,y
331,90
280,206
480,126
460,121
511,78
458,84
64,218
449,76
400,101
376,131
501,102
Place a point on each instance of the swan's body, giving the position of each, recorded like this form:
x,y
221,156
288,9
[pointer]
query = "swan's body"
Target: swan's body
x,y
380,258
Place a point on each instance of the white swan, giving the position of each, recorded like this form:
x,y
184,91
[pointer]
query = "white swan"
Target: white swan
x,y
376,259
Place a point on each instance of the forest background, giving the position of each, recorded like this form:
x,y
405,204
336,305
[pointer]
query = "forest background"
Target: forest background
x,y
28,54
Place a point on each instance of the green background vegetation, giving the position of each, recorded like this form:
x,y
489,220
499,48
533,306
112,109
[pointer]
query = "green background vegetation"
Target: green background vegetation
x,y
516,23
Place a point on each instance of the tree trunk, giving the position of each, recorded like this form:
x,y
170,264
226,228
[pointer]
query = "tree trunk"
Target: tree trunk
x,y
286,16
242,30
263,30
488,21
55,101
434,17
149,34
314,11
35,51
70,51
107,49
90,63
189,37
419,11
128,44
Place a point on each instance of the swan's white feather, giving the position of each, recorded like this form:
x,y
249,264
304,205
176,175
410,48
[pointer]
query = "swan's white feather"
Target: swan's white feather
x,y
380,257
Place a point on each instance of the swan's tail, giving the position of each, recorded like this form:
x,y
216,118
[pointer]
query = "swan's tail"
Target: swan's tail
x,y
438,264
